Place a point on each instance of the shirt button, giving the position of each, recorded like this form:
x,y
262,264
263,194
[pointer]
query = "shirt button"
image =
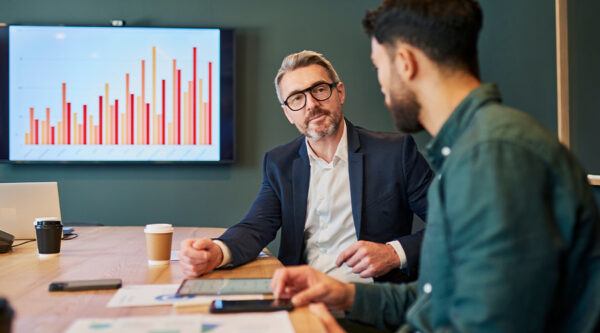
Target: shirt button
x,y
446,151
427,288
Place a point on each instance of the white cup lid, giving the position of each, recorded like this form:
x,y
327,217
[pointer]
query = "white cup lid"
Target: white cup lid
x,y
158,228
41,219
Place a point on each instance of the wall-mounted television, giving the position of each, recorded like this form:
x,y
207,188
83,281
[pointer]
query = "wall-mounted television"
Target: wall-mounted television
x,y
116,94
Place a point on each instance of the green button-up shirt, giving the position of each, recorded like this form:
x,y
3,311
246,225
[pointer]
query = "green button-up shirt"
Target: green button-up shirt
x,y
513,233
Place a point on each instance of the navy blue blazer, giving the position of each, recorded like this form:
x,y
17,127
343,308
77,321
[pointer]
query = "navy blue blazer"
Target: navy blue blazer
x,y
389,179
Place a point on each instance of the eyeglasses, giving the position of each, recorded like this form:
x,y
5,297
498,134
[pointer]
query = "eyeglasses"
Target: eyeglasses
x,y
320,92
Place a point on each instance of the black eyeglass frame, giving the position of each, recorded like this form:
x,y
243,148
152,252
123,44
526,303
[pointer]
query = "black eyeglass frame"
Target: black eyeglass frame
x,y
309,90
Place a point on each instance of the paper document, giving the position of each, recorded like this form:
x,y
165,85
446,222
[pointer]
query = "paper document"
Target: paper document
x,y
163,294
272,322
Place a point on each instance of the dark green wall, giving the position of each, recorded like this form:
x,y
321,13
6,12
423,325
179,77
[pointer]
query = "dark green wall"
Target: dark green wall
x,y
584,82
516,50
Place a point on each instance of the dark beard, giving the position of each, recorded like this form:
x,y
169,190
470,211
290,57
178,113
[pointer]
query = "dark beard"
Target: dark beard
x,y
405,112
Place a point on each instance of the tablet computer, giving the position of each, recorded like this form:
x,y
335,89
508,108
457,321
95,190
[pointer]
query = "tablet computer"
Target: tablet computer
x,y
224,287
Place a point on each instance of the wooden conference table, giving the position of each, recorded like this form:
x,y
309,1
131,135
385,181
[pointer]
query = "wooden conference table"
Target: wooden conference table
x,y
107,252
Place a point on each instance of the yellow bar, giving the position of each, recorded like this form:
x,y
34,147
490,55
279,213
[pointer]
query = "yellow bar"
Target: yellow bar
x,y
186,112
154,128
189,122
75,137
200,115
43,136
91,131
80,133
27,139
60,130
170,132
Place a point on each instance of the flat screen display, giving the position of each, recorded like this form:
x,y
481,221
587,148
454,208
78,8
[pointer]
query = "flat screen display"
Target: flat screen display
x,y
89,94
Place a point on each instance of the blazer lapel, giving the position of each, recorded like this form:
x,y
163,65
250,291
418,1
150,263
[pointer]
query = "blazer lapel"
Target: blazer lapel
x,y
300,182
356,173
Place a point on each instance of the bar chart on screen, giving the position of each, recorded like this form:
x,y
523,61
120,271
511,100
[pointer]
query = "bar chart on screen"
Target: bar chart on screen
x,y
102,94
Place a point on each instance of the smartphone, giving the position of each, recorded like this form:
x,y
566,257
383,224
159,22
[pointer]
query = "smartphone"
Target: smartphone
x,y
261,305
85,285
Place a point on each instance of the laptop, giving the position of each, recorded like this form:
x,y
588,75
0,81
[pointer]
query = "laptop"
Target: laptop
x,y
21,203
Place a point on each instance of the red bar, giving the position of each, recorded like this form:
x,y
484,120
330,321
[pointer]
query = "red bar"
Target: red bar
x,y
174,129
163,112
131,115
100,122
209,103
64,110
127,109
84,124
69,123
116,121
37,132
147,123
52,135
194,101
179,106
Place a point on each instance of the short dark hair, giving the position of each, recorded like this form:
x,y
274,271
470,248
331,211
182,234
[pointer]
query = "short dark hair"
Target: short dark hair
x,y
445,30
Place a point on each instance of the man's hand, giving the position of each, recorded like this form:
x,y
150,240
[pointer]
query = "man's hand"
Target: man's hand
x,y
198,256
331,325
369,259
304,284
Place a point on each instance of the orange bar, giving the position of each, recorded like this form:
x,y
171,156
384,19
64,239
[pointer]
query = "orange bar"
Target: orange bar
x,y
143,85
200,115
107,114
154,94
31,122
127,111
27,139
170,130
47,137
79,133
96,138
174,98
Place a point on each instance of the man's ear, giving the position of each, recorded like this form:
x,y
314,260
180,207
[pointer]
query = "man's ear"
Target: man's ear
x,y
287,113
405,62
342,91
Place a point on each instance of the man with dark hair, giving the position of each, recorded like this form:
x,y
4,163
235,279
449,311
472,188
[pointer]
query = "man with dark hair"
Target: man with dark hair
x,y
513,235
343,196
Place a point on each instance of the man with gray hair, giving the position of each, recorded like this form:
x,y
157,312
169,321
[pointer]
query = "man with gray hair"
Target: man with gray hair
x,y
344,197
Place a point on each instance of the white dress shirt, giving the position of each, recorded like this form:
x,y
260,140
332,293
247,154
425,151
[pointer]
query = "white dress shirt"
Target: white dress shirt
x,y
329,227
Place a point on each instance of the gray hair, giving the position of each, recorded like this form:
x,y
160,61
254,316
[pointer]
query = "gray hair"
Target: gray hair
x,y
303,59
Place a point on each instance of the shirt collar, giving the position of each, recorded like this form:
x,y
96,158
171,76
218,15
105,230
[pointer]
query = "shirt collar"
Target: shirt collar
x,y
341,153
440,146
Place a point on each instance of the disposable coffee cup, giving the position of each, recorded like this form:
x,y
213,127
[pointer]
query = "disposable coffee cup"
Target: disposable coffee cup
x,y
48,232
158,243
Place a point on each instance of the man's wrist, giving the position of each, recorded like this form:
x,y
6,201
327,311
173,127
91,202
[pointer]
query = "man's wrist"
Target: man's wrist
x,y
400,254
225,253
349,299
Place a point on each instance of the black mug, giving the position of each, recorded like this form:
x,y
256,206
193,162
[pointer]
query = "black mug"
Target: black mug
x,y
48,234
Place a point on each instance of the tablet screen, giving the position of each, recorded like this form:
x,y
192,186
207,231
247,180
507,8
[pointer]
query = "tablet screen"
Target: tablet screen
x,y
224,287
